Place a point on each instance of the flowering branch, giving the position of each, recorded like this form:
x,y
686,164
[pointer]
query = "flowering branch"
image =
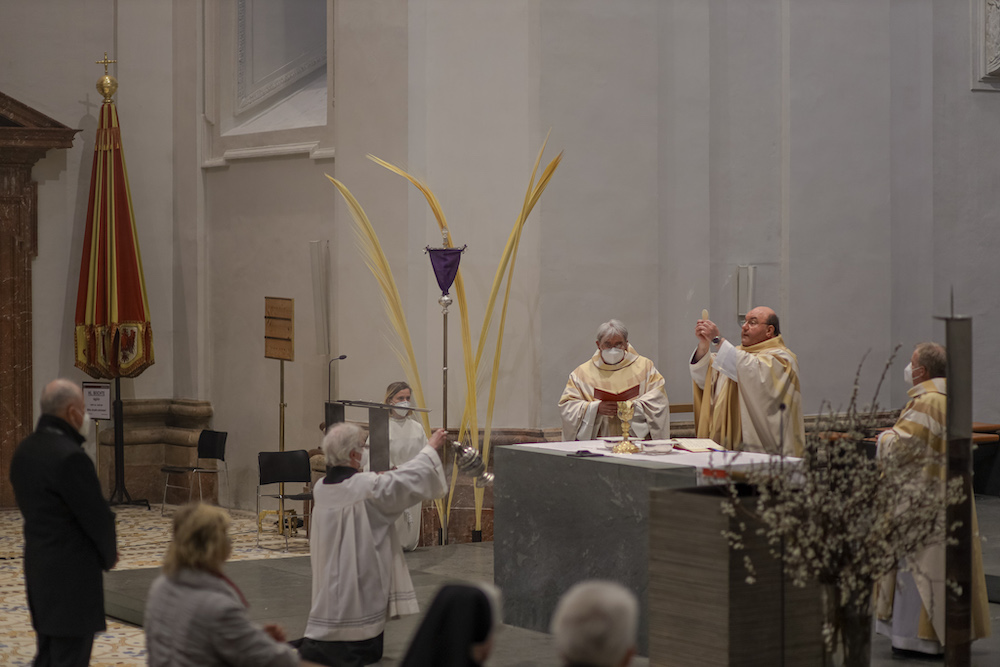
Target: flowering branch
x,y
838,517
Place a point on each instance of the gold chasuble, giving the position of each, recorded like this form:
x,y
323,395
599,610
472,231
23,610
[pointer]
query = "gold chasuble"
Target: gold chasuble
x,y
632,376
915,620
742,409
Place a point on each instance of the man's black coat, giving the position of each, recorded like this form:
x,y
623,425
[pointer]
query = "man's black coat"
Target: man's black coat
x,y
69,530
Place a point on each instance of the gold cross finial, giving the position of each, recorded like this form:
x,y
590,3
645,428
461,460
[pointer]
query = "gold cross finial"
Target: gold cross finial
x,y
105,62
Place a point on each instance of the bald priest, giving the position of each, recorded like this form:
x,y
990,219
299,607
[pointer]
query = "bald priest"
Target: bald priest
x,y
616,373
747,396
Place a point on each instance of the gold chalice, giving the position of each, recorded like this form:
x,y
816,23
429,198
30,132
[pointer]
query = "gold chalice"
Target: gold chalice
x,y
626,411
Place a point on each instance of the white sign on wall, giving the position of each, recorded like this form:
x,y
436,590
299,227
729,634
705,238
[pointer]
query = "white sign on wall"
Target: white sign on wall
x,y
97,399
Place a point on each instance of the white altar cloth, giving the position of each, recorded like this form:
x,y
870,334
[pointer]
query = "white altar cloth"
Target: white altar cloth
x,y
719,460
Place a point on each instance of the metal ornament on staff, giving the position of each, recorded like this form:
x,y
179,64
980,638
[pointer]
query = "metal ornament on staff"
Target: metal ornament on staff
x,y
444,261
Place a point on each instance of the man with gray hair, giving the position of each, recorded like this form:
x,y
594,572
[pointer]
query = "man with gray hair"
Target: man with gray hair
x,y
909,603
69,530
359,576
596,624
614,374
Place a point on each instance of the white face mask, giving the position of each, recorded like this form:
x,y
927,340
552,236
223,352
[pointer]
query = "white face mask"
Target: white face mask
x,y
908,374
612,355
86,425
402,408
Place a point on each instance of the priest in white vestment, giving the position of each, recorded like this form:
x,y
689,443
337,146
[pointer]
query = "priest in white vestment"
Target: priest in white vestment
x,y
747,396
406,439
910,602
616,373
359,576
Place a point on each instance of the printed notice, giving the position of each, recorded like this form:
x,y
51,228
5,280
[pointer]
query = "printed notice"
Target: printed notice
x,y
97,399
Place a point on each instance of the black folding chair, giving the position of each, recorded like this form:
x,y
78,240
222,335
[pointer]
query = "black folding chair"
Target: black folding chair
x,y
211,445
283,468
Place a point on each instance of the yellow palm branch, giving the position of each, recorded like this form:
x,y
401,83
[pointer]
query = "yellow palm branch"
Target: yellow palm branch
x,y
469,423
463,311
378,264
507,263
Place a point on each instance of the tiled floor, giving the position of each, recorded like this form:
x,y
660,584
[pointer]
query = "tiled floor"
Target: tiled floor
x,y
143,537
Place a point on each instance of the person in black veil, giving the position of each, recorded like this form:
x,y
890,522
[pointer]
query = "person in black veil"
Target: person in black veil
x,y
458,629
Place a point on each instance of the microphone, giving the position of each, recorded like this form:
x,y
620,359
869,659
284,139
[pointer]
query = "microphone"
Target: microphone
x,y
329,377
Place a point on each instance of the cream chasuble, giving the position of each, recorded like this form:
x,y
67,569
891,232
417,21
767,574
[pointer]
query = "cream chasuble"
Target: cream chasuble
x,y
578,405
748,387
917,622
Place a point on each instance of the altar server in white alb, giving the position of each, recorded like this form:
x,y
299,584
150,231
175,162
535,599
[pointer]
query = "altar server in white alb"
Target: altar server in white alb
x,y
616,373
358,572
748,397
406,439
910,603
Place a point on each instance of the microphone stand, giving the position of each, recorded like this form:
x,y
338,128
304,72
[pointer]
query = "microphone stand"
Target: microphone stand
x,y
329,377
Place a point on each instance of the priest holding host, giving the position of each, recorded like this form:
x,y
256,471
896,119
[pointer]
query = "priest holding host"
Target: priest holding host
x,y
747,396
615,373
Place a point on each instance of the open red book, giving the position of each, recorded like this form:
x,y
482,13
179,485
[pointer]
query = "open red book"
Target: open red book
x,y
626,395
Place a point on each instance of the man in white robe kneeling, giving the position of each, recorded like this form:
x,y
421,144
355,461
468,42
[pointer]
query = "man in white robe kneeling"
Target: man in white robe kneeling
x,y
359,576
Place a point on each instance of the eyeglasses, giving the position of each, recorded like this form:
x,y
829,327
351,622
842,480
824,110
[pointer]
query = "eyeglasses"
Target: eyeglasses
x,y
752,322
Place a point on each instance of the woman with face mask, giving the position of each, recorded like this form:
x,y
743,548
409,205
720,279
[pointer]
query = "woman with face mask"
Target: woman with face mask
x,y
406,439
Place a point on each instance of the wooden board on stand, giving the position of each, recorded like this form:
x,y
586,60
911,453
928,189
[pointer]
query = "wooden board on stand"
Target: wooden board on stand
x,y
279,328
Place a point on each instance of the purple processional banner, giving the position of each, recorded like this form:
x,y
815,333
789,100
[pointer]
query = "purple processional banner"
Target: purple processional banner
x,y
445,261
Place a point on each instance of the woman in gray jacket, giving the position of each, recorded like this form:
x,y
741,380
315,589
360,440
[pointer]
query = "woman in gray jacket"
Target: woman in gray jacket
x,y
196,616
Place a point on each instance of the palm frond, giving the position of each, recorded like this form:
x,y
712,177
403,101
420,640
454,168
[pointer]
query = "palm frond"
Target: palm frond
x,y
378,264
460,299
534,192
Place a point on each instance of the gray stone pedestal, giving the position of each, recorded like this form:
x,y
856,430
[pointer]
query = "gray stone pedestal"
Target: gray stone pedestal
x,y
559,520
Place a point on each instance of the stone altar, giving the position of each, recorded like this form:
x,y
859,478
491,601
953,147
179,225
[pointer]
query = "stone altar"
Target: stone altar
x,y
559,519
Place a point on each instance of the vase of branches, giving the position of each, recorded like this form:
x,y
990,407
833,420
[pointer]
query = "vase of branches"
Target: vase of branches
x,y
842,519
850,628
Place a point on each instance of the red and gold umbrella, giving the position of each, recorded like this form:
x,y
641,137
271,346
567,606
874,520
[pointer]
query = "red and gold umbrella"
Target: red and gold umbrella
x,y
113,335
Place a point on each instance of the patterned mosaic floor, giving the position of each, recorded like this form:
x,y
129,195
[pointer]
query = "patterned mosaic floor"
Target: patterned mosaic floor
x,y
142,540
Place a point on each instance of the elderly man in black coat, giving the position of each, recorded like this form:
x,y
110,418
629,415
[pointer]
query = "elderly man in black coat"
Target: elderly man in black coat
x,y
69,530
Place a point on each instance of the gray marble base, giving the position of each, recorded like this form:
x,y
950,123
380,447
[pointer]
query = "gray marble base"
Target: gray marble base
x,y
559,520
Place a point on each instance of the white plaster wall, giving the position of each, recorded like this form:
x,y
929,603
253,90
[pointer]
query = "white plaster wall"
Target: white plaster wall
x,y
190,271
685,214
261,216
474,137
371,83
966,233
838,228
600,233
912,191
48,49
